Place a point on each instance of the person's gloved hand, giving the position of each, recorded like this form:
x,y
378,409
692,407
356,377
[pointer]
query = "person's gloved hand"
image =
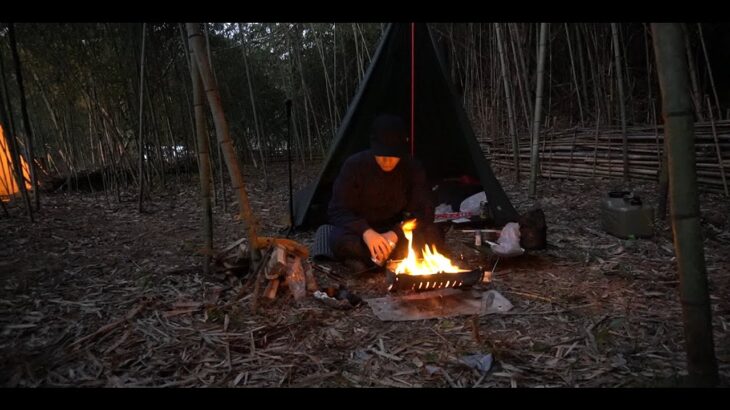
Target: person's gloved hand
x,y
377,244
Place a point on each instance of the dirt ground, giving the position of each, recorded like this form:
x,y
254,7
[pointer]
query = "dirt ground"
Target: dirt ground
x,y
96,294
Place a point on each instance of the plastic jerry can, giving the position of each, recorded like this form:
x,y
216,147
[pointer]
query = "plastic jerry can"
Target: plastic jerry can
x,y
624,215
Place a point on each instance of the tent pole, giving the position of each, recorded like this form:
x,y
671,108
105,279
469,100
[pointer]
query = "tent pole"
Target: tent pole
x,y
288,150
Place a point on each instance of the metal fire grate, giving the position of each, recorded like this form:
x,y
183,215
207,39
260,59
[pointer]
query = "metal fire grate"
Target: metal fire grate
x,y
441,280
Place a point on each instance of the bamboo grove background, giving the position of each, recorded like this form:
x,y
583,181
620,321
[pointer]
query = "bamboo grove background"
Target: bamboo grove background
x,y
82,84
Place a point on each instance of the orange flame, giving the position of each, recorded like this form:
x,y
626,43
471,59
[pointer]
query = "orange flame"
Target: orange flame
x,y
8,184
432,262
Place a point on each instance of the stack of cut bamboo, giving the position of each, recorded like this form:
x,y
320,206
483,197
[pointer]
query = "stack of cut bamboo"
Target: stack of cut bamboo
x,y
589,153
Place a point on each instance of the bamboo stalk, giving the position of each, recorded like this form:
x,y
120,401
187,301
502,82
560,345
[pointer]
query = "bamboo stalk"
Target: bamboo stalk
x,y
649,114
222,133
538,110
26,120
521,74
575,77
709,72
221,173
508,96
329,92
6,116
717,146
685,209
622,108
696,98
141,119
203,165
257,128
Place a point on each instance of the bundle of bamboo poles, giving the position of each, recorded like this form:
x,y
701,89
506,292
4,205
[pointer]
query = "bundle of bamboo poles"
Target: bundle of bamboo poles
x,y
592,152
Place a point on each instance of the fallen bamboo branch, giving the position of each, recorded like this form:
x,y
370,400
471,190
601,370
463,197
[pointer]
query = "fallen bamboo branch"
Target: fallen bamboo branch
x,y
108,327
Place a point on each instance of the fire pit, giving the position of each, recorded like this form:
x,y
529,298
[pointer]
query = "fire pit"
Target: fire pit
x,y
439,280
432,271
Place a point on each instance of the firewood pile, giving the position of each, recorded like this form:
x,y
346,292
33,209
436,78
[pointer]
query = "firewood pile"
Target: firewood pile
x,y
287,268
280,266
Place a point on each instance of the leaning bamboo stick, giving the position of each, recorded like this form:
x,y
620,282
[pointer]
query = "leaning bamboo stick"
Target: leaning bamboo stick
x,y
717,146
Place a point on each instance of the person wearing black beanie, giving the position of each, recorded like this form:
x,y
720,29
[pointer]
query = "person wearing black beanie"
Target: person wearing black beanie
x,y
375,191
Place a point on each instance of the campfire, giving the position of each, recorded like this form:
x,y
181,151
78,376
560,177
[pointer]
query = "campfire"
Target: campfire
x,y
432,271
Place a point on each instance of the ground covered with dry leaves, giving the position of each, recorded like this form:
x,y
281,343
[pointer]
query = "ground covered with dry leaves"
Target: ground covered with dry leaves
x,y
96,294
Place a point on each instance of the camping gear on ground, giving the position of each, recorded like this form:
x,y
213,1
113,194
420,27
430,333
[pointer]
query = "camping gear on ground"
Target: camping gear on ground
x,y
473,209
533,230
452,191
442,137
624,215
472,206
445,213
338,297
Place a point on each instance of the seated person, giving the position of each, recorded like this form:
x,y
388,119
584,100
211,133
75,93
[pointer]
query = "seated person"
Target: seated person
x,y
376,190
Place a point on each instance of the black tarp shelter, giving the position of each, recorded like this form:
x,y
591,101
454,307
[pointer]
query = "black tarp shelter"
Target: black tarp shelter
x,y
406,68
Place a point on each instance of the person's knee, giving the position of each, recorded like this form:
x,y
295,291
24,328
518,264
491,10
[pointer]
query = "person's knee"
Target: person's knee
x,y
350,247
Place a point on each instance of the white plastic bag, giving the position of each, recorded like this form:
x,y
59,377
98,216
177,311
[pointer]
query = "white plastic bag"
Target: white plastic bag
x,y
508,243
473,204
443,209
470,207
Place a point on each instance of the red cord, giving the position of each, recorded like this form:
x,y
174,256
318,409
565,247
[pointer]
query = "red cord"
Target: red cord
x,y
413,84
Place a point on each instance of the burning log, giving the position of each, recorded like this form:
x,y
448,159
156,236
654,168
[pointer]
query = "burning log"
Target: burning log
x,y
432,271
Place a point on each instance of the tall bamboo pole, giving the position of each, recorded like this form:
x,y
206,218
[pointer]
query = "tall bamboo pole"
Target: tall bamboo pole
x,y
696,95
257,128
622,100
575,76
6,117
245,214
218,148
717,146
508,96
538,110
141,122
201,133
24,112
685,209
709,72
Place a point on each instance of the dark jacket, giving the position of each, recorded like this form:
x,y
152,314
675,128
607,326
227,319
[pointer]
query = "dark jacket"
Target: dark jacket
x,y
364,196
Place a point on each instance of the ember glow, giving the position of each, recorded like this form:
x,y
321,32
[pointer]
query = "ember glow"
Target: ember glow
x,y
432,262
